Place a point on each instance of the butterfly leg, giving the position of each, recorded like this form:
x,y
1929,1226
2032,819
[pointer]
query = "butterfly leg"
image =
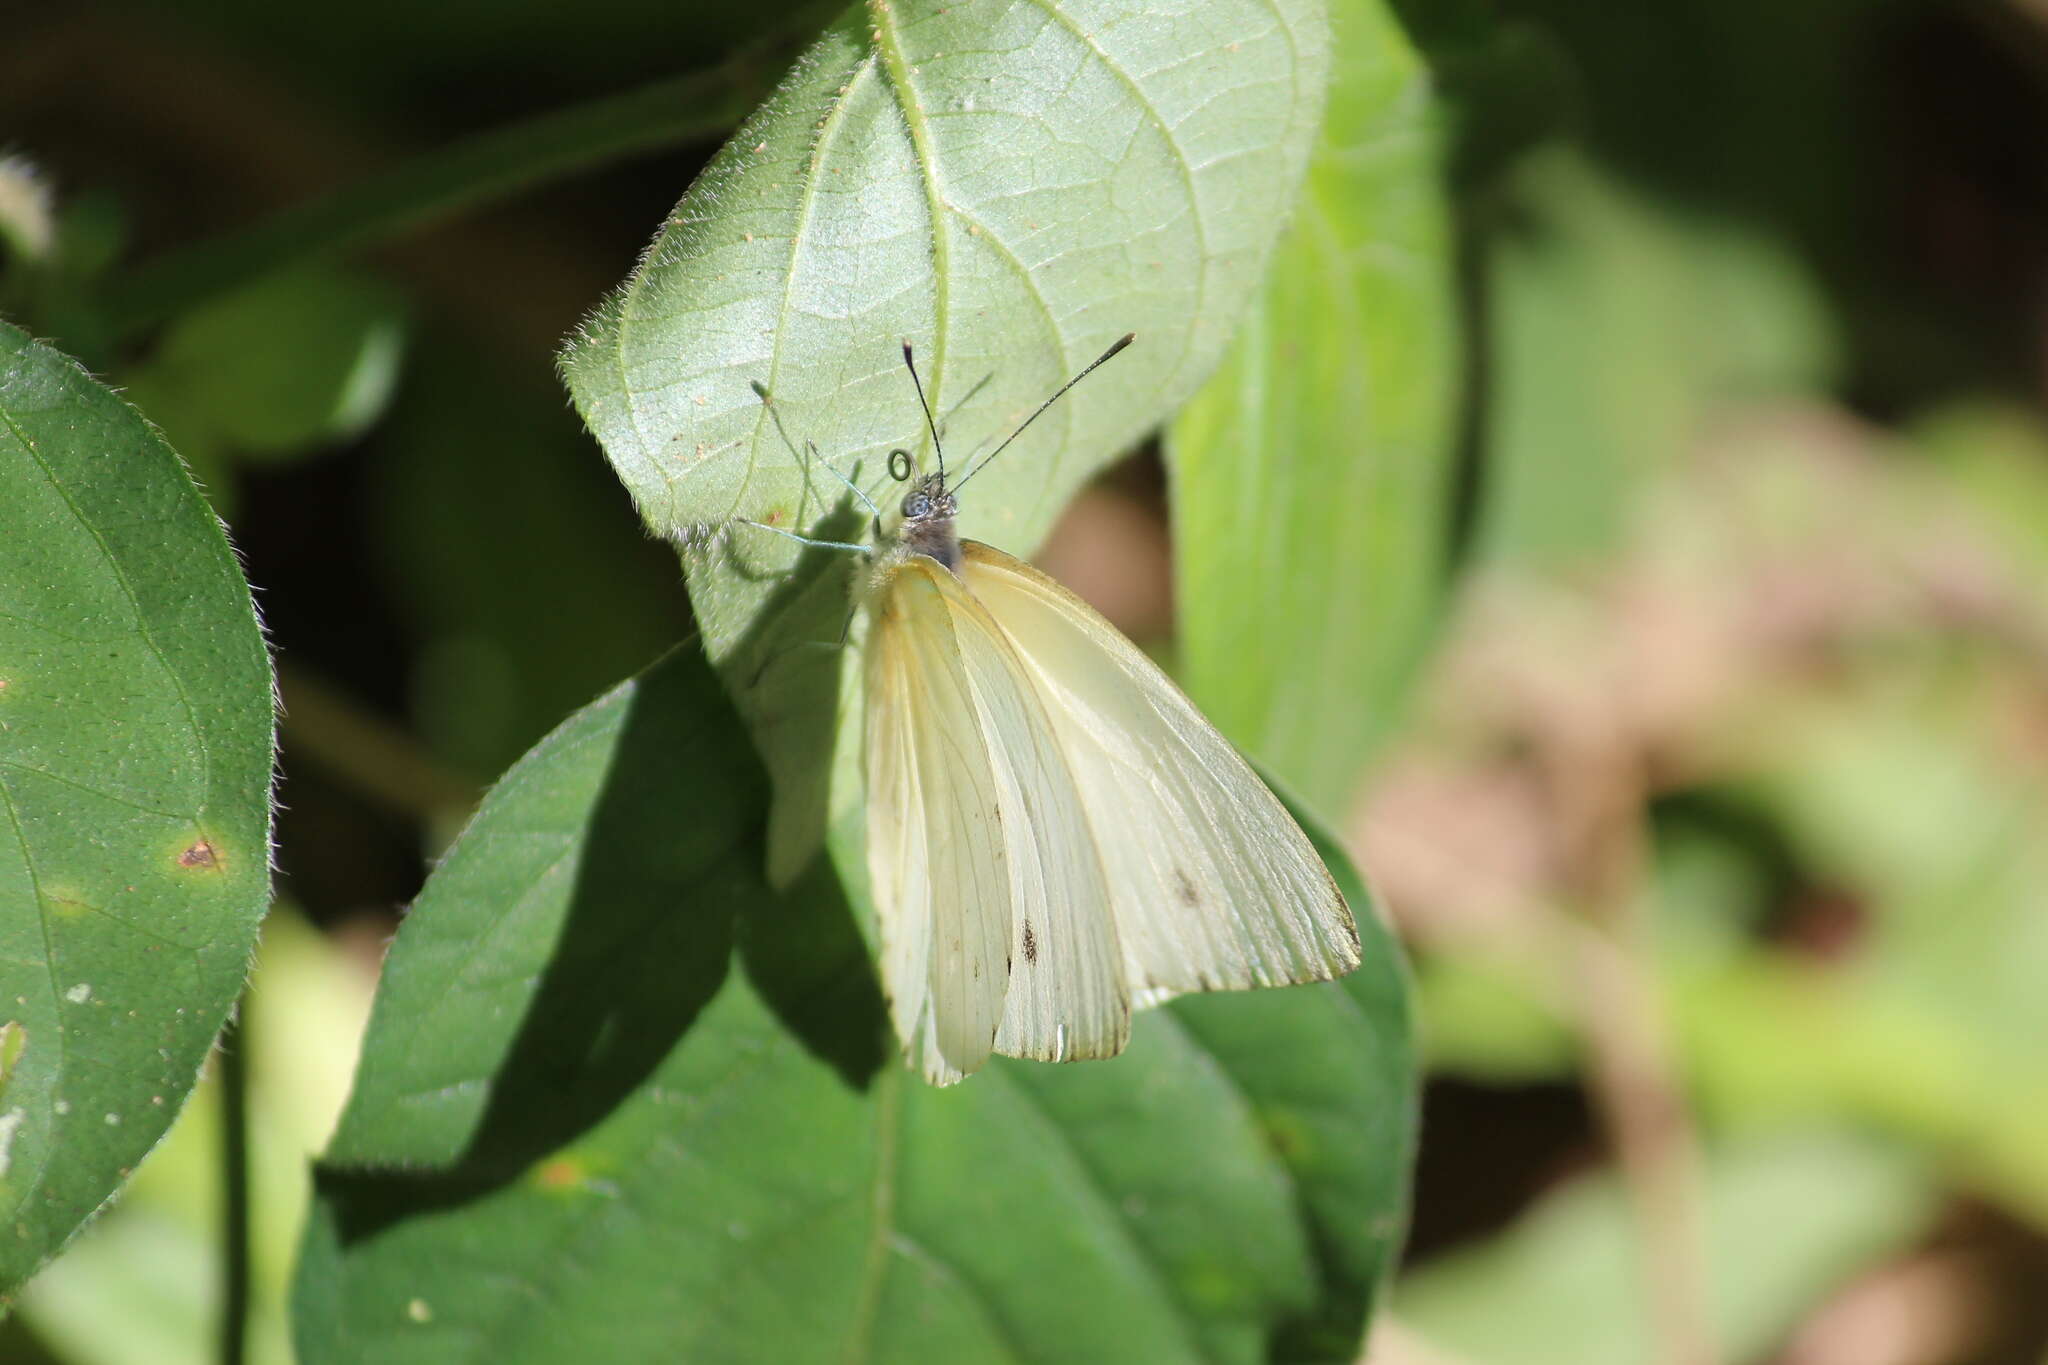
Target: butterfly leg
x,y
806,540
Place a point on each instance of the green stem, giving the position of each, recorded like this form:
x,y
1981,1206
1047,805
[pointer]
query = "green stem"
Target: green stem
x,y
234,1156
437,185
372,756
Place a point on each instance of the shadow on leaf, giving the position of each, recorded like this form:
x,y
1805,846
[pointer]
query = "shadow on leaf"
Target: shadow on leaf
x,y
669,865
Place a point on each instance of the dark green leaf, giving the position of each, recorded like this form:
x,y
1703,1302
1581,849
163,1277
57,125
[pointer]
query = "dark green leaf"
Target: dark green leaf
x,y
620,1101
1311,475
135,747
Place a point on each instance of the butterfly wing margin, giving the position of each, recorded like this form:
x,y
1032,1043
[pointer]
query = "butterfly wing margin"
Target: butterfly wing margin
x,y
1215,886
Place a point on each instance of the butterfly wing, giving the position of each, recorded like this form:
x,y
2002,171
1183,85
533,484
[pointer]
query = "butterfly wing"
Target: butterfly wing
x,y
933,835
1214,885
990,895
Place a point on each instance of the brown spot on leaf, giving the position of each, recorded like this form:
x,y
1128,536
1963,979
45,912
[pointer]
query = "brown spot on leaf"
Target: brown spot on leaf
x,y
1030,943
201,854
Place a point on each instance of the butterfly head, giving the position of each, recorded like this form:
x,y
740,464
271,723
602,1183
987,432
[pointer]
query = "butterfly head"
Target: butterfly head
x,y
930,505
928,511
928,500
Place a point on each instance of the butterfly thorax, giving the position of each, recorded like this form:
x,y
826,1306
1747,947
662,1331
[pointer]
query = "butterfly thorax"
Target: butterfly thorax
x,y
927,527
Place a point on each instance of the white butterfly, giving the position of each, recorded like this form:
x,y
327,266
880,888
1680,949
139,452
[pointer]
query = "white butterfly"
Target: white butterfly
x,y
1055,834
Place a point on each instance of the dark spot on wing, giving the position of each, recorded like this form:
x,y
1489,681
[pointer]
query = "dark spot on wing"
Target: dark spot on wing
x,y
1184,888
1030,943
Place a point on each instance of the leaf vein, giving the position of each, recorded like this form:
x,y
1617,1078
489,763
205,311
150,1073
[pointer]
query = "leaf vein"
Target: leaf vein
x,y
828,133
936,205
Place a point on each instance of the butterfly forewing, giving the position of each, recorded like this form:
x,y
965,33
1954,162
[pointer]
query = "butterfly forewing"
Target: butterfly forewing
x,y
936,859
982,736
1214,886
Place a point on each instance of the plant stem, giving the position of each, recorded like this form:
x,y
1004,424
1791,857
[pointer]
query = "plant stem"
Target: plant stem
x,y
234,1157
437,185
1632,1074
367,752
1647,1120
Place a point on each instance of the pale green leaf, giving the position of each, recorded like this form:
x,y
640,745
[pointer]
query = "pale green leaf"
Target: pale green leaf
x,y
1010,186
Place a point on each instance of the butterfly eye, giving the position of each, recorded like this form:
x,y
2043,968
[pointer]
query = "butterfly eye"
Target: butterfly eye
x,y
917,507
899,465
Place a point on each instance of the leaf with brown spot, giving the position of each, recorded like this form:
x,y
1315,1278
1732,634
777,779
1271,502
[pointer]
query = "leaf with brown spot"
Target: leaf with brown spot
x,y
138,710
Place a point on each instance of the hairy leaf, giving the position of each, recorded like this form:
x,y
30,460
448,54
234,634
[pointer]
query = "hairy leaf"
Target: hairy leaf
x,y
1008,185
135,748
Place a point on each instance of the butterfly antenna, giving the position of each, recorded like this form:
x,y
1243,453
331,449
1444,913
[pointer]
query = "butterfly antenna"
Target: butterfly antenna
x,y
1126,339
930,425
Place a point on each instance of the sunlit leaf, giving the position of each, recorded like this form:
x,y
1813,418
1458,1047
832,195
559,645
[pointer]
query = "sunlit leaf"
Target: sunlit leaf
x,y
1010,186
135,744
1311,475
